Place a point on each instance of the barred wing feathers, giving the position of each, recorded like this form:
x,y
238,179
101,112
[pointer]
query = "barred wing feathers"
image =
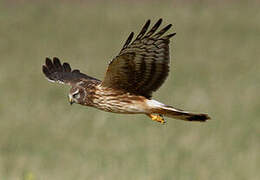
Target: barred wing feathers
x,y
54,71
143,65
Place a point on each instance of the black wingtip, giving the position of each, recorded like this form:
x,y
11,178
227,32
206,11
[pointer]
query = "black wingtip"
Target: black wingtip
x,y
148,22
49,65
45,70
144,29
154,28
48,61
128,41
57,64
56,59
131,35
52,66
159,21
168,26
146,25
169,36
66,67
162,31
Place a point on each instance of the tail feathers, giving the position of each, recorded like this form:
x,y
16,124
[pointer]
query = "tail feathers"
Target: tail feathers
x,y
183,115
169,111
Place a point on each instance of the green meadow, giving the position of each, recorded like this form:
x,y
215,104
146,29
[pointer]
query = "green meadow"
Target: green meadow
x,y
215,68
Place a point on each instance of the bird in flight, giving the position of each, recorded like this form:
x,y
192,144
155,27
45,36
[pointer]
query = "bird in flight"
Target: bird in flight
x,y
132,76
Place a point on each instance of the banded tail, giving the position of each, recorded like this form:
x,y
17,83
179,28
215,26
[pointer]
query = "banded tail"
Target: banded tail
x,y
168,111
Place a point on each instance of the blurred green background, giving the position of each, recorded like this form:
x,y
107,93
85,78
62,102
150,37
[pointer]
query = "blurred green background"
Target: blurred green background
x,y
215,68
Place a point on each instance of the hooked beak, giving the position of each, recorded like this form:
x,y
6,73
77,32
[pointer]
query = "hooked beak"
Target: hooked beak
x,y
71,100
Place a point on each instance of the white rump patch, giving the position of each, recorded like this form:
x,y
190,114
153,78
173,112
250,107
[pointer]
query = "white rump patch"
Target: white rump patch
x,y
155,104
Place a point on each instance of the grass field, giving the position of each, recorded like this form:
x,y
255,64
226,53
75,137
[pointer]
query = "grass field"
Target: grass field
x,y
215,68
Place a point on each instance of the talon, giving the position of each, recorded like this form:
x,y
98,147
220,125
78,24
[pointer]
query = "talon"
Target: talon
x,y
159,118
163,121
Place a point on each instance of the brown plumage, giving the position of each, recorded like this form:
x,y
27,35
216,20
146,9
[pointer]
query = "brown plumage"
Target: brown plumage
x,y
140,69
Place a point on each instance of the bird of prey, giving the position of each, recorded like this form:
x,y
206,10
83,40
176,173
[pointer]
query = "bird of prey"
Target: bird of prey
x,y
139,69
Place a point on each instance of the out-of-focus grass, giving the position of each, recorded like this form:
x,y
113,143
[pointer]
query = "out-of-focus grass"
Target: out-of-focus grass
x,y
215,69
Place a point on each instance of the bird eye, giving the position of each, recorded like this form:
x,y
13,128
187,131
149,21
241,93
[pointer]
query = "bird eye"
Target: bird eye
x,y
76,96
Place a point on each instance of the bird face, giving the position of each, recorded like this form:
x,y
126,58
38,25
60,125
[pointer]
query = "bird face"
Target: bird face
x,y
76,95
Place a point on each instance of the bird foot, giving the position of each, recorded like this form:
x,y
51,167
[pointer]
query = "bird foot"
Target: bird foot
x,y
159,118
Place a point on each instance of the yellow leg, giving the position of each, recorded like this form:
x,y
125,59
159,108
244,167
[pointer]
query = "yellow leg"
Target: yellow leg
x,y
158,118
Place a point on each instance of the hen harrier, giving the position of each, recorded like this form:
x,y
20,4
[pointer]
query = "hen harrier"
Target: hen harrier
x,y
140,68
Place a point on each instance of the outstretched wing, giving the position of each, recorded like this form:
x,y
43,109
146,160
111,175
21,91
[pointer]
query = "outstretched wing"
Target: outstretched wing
x,y
62,73
143,65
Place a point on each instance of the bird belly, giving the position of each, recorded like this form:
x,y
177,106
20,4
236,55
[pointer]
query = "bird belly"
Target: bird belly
x,y
124,103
